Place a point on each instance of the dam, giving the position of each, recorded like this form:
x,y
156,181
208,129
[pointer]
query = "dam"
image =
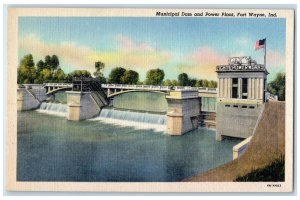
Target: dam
x,y
239,97
114,132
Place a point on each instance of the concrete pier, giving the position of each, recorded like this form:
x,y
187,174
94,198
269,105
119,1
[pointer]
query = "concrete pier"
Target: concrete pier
x,y
83,105
183,111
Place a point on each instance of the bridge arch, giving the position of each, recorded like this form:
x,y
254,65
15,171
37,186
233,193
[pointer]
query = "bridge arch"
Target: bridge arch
x,y
57,90
52,88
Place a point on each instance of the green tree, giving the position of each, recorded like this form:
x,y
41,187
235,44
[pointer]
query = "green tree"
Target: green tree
x,y
26,71
168,82
214,84
205,83
54,62
99,67
40,66
77,73
51,63
198,83
192,82
155,77
175,83
183,79
59,76
277,86
47,62
140,83
130,77
45,75
116,75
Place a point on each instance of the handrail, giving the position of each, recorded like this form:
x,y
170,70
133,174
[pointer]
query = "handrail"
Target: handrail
x,y
139,87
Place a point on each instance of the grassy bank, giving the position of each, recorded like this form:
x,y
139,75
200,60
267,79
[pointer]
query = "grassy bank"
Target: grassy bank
x,y
273,172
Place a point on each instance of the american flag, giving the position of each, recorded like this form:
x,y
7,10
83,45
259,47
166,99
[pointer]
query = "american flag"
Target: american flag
x,y
260,44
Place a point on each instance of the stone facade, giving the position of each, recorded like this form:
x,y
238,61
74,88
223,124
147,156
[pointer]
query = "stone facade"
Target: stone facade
x,y
183,111
241,93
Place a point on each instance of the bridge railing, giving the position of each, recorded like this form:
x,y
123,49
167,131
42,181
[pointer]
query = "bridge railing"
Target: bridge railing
x,y
158,87
140,87
146,87
58,84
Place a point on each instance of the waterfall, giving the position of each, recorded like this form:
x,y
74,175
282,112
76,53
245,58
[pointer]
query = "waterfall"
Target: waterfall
x,y
53,108
138,120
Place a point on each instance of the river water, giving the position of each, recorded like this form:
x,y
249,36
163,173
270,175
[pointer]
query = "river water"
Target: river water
x,y
110,148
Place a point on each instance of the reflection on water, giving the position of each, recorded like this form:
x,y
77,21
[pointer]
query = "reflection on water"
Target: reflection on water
x,y
145,101
51,148
61,97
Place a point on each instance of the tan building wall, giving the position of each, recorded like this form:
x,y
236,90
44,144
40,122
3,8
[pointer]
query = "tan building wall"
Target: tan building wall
x,y
183,112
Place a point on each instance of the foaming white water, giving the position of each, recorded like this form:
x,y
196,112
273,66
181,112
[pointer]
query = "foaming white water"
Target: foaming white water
x,y
53,109
138,120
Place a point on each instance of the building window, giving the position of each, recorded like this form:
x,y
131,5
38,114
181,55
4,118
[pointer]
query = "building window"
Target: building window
x,y
234,88
244,88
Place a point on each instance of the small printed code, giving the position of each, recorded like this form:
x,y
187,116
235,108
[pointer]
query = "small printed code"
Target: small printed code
x,y
273,185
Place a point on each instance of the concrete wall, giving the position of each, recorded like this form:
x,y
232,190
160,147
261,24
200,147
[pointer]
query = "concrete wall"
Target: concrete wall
x,y
40,93
236,120
241,148
26,100
183,112
81,106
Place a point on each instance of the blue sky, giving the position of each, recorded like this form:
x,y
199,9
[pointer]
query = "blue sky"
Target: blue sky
x,y
176,45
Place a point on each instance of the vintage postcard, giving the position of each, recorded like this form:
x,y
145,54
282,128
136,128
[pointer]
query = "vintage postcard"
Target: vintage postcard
x,y
150,100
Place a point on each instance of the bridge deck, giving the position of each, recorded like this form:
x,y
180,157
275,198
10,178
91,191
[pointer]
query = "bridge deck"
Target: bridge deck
x,y
158,88
205,90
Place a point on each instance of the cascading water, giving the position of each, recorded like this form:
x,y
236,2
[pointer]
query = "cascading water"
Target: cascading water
x,y
133,116
53,108
138,120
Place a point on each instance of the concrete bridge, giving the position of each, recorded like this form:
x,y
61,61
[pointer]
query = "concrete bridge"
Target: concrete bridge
x,y
52,88
117,89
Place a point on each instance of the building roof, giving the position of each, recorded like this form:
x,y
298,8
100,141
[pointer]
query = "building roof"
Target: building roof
x,y
241,64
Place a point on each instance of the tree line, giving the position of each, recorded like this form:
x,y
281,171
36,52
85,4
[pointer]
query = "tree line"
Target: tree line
x,y
277,86
48,70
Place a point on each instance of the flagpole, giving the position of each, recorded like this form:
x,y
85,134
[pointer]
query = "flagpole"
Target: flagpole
x,y
265,58
265,89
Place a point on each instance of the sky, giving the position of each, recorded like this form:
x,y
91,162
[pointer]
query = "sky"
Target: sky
x,y
175,44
